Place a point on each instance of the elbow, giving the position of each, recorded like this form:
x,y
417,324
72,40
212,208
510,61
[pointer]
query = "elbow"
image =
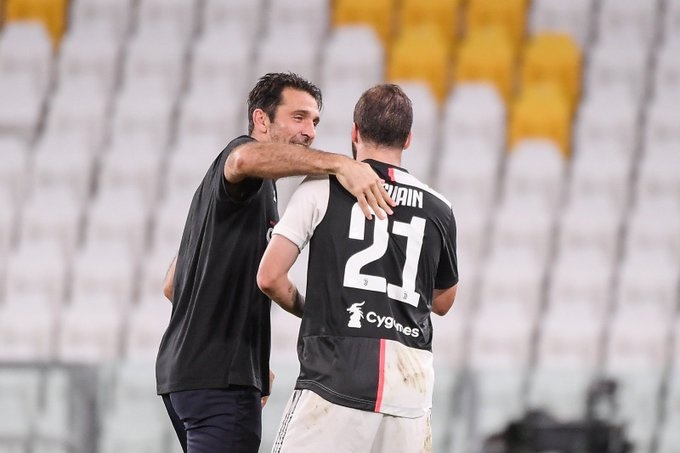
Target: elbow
x,y
441,311
237,165
265,282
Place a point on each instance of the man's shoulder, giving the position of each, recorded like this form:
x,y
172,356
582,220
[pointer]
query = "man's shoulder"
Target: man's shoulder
x,y
238,141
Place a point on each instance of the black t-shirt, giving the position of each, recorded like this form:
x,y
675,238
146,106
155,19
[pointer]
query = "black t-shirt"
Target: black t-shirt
x,y
219,331
366,336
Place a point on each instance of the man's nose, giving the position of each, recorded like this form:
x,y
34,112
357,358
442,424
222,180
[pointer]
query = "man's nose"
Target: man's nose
x,y
309,130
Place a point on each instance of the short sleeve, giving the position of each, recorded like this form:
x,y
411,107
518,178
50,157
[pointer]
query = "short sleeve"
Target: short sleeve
x,y
239,192
305,210
447,270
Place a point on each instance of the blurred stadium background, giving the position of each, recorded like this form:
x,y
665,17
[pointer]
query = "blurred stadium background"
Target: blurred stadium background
x,y
553,126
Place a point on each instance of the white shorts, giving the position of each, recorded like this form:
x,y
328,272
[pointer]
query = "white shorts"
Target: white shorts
x,y
312,424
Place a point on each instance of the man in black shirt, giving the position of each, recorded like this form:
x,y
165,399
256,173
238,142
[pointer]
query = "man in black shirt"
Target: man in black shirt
x,y
365,344
213,362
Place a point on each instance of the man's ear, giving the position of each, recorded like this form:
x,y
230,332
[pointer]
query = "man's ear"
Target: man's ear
x,y
260,121
407,143
355,133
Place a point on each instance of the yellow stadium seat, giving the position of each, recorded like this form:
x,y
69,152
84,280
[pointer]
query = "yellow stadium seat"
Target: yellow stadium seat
x,y
377,13
52,13
420,53
541,112
554,58
509,15
444,14
487,56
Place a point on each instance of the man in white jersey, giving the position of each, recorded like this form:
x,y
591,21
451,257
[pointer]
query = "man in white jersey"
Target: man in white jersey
x,y
365,343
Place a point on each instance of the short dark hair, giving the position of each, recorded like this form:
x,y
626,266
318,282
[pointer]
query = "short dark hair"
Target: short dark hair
x,y
266,94
384,116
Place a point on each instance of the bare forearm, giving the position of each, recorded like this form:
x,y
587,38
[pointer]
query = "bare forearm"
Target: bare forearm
x,y
277,160
284,293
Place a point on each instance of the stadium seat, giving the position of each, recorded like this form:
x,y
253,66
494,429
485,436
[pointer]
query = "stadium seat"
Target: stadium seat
x,y
21,108
636,357
62,163
487,55
501,336
472,233
568,358
311,17
114,17
52,217
146,326
143,116
39,270
520,226
208,114
653,226
15,167
478,177
541,112
244,16
337,115
92,55
421,156
556,16
352,56
188,165
79,113
104,273
570,339
26,51
443,14
658,177
217,62
376,13
169,17
603,172
535,172
671,18
421,54
8,225
554,58
648,279
581,278
123,168
508,15
629,17
275,54
475,111
662,122
512,276
607,117
590,225
120,217
90,330
27,329
618,64
53,14
155,62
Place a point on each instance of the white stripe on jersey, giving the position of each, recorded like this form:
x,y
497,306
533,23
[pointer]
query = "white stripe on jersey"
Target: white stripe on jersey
x,y
409,180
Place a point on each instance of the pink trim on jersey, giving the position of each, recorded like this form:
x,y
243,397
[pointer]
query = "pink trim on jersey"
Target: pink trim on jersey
x,y
390,173
381,375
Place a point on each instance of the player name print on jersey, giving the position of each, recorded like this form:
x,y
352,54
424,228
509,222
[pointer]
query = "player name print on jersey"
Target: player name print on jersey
x,y
405,196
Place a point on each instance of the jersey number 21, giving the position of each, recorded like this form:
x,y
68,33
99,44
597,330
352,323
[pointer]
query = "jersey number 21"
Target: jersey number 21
x,y
413,232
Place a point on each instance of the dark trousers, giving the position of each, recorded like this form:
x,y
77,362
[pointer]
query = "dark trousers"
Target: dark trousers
x,y
217,420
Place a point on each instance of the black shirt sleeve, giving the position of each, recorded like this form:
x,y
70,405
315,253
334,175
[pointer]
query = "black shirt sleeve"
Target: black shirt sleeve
x,y
447,271
235,192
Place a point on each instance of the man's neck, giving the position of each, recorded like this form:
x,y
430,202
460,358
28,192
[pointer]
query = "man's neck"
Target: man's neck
x,y
380,153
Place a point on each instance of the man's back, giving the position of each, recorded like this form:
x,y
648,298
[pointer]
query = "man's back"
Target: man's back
x,y
365,338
